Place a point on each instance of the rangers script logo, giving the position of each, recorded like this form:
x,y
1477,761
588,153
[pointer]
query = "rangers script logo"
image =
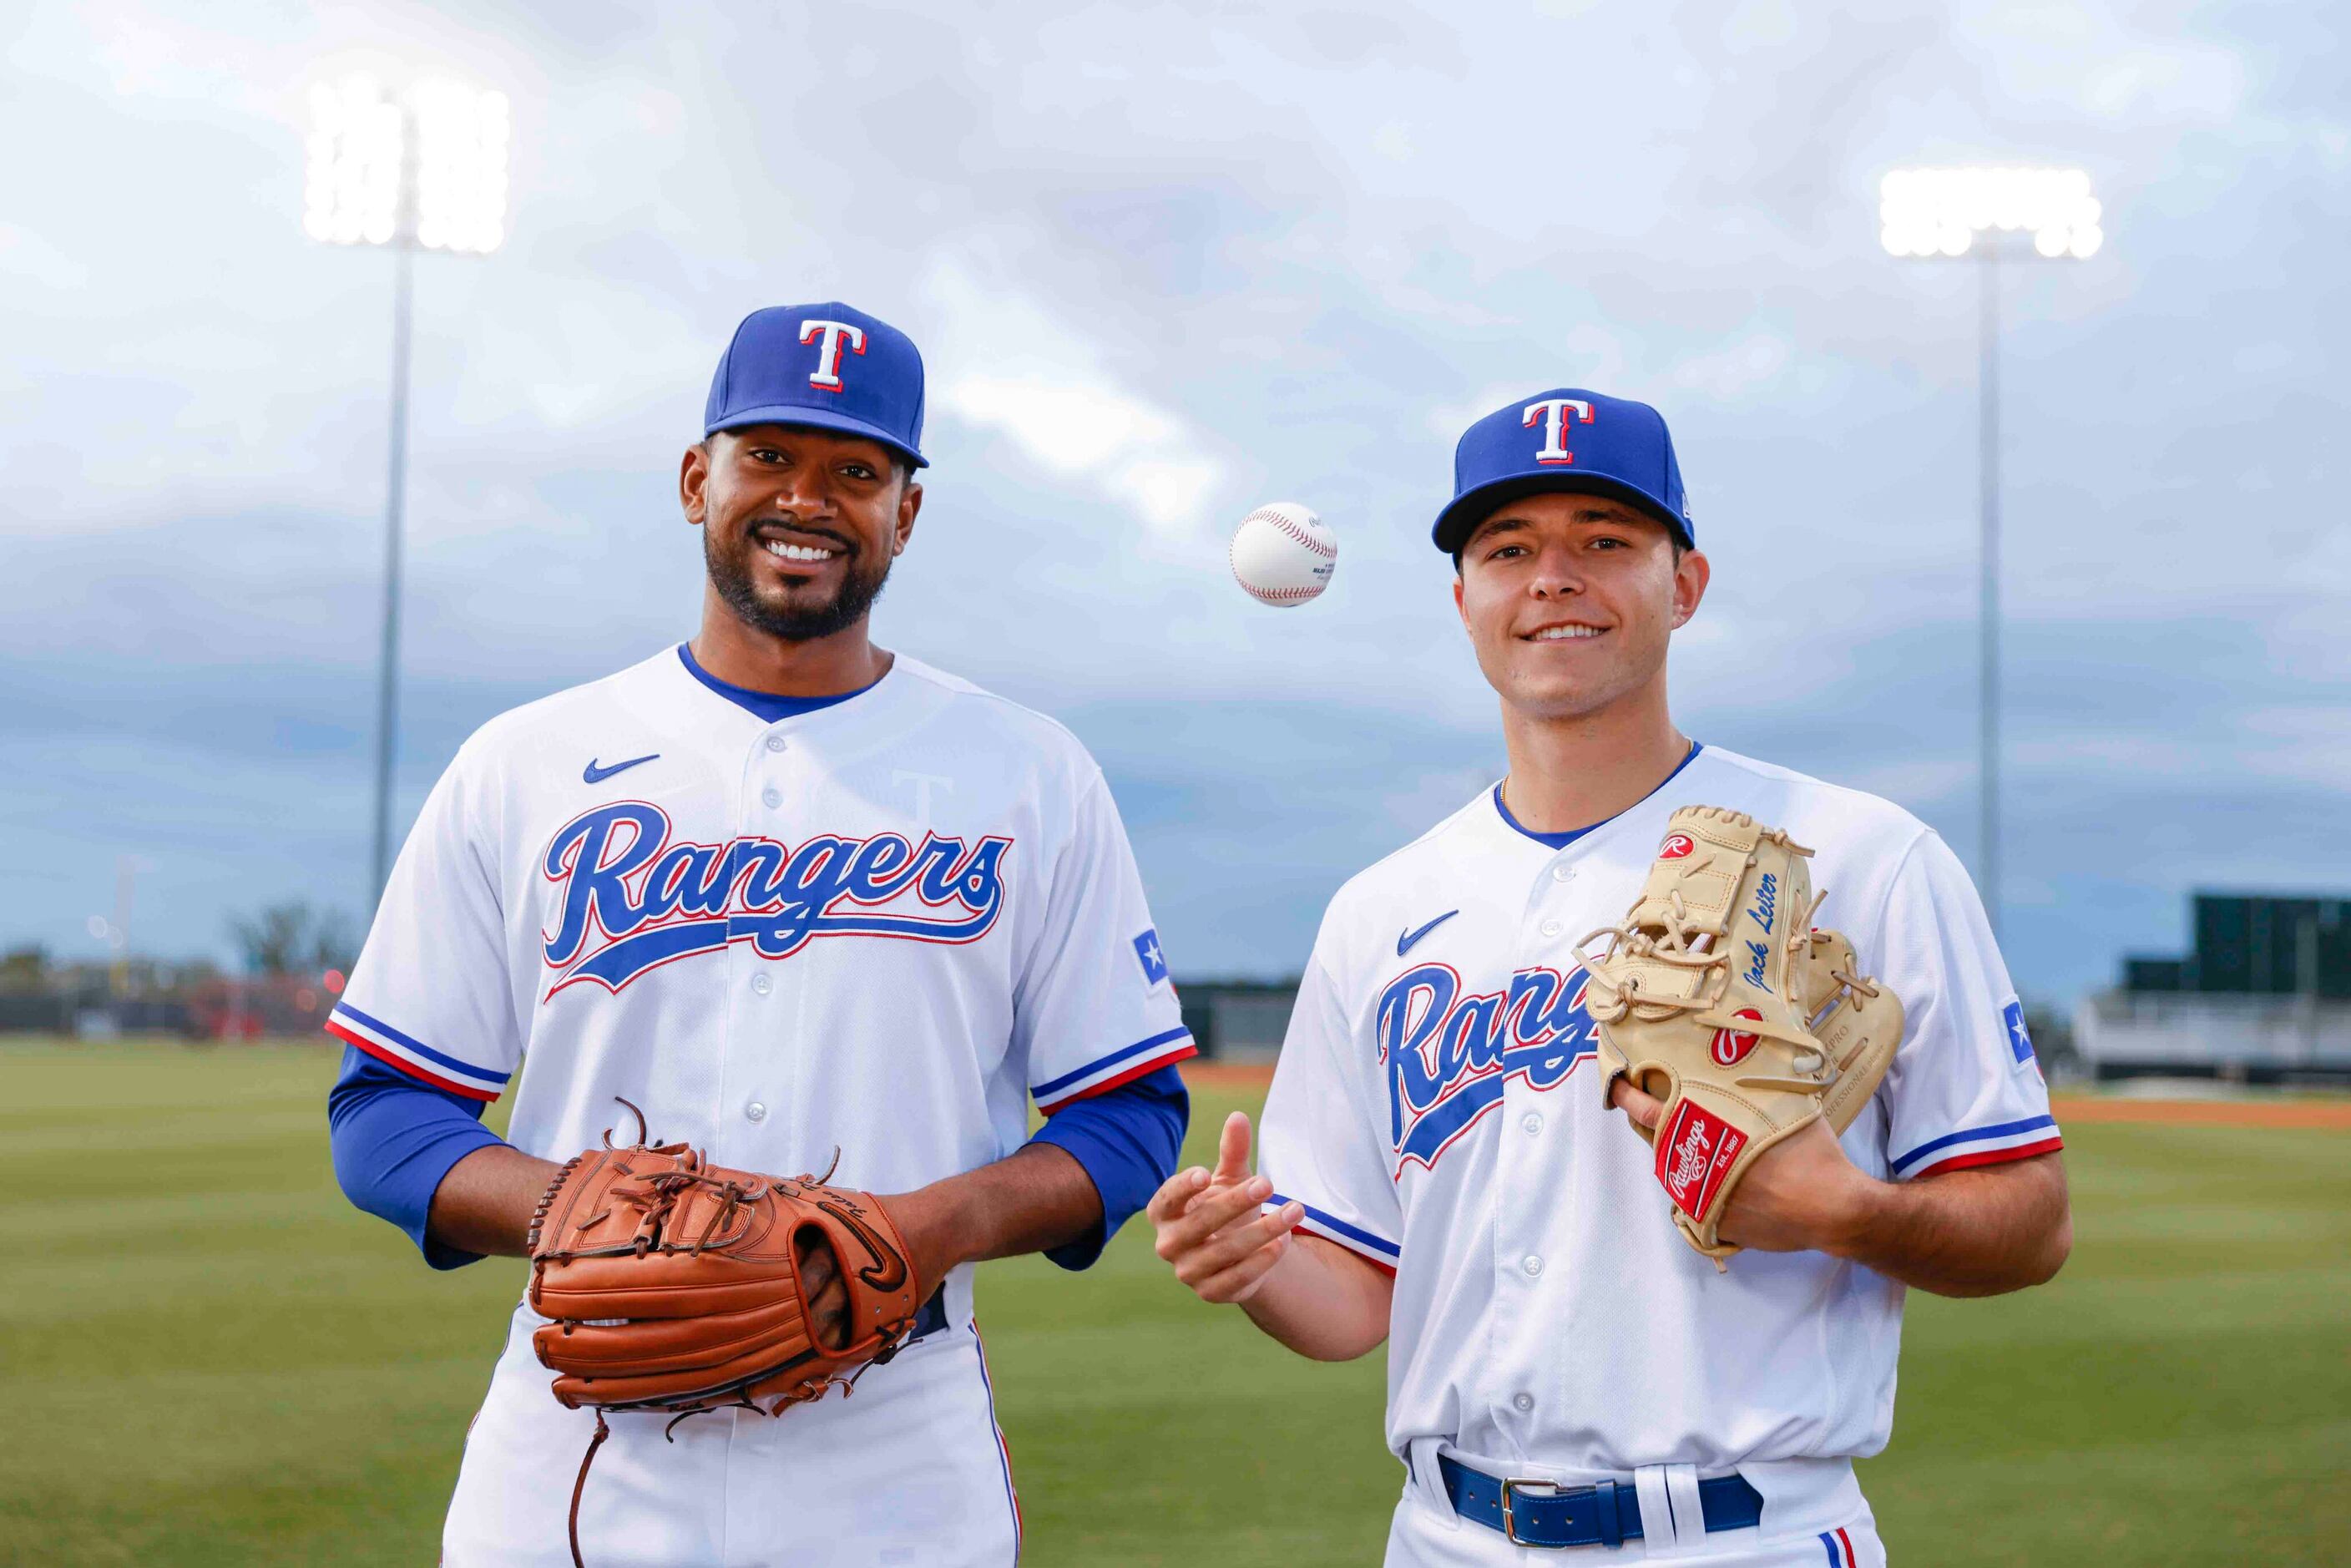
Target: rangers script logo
x,y
631,901
1450,1056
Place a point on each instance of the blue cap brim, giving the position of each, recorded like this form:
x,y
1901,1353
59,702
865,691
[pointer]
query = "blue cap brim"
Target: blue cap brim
x,y
817,419
1473,507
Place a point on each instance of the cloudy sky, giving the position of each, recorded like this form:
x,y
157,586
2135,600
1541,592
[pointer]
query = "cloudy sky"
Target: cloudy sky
x,y
1166,262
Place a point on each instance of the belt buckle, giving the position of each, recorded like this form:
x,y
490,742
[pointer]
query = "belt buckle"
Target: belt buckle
x,y
1512,1486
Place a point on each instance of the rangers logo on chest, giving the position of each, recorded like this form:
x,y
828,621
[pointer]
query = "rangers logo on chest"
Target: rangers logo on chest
x,y
1448,1056
629,900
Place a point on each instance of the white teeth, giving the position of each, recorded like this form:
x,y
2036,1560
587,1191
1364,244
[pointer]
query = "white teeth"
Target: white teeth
x,y
777,547
1561,634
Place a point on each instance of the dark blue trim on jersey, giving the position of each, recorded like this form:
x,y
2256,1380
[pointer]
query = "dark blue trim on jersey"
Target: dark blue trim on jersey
x,y
1561,840
1045,1091
1128,1139
393,1139
487,1075
1332,1222
765,706
1973,1134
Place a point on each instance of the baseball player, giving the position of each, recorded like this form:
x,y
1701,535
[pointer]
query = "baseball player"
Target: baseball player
x,y
1568,1379
789,893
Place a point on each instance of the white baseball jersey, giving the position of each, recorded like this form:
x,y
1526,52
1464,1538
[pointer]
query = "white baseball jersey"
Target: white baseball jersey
x,y
882,927
1436,1111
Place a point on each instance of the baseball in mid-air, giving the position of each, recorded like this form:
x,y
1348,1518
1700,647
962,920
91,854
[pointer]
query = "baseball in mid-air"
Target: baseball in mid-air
x,y
1283,555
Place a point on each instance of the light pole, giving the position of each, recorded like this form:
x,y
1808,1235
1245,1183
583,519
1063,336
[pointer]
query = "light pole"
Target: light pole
x,y
425,170
1948,213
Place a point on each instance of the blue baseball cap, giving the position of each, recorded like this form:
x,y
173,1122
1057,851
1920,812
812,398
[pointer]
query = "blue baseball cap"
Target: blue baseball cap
x,y
827,366
1567,439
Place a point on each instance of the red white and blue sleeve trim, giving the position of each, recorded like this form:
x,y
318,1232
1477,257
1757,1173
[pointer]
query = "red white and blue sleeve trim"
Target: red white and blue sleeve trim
x,y
1122,1066
413,1056
1990,1145
1839,1546
1354,1239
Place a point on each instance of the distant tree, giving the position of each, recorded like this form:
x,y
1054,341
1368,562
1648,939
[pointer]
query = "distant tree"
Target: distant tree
x,y
24,968
293,938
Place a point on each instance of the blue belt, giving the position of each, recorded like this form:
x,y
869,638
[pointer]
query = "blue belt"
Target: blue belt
x,y
932,1317
1539,1514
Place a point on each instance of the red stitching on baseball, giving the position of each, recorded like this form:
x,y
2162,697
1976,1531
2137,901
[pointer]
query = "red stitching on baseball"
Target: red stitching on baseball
x,y
1282,520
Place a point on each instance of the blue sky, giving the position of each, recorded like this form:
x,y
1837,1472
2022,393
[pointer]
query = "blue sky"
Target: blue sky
x,y
1166,263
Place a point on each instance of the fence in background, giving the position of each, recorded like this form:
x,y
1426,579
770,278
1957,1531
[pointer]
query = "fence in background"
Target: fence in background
x,y
2246,1038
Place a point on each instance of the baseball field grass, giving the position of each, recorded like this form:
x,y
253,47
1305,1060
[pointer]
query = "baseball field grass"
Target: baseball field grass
x,y
206,1357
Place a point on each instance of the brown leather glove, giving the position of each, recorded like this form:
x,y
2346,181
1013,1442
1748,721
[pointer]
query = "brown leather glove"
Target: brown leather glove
x,y
678,1286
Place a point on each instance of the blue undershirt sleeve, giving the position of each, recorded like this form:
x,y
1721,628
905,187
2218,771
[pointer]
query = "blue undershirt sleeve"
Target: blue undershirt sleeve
x,y
1127,1139
394,1139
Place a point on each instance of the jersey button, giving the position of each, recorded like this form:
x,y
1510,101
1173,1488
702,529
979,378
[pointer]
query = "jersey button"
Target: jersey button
x,y
1550,928
761,984
1525,1402
771,796
775,743
1533,1265
1533,1123
1561,873
756,1112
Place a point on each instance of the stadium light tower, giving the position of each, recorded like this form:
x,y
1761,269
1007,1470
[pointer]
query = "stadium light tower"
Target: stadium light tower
x,y
1950,213
425,169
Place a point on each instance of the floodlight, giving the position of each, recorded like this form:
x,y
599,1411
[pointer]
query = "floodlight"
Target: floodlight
x,y
422,170
426,169
1938,211
461,167
352,193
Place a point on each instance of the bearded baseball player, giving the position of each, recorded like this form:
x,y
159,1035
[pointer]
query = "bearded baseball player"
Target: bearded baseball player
x,y
775,936
1628,1099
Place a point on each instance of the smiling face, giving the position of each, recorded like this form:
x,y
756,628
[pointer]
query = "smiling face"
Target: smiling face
x,y
798,525
1570,600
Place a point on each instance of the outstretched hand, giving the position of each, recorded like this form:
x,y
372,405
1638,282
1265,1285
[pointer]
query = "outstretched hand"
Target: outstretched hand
x,y
1208,1224
1803,1193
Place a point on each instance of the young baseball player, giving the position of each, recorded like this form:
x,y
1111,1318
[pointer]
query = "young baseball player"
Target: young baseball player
x,y
791,894
1567,1376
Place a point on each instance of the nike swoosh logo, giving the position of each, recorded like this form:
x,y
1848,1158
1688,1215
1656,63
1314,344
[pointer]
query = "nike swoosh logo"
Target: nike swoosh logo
x,y
1410,939
593,774
888,1270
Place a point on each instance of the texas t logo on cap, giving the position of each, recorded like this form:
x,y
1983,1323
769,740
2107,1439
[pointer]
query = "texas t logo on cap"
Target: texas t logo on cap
x,y
827,367
832,334
1551,413
1581,441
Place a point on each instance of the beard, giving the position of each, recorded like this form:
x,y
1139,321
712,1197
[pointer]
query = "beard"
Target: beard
x,y
797,620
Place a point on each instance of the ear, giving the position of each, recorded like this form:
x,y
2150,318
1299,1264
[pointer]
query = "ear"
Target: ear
x,y
693,481
1690,578
1458,608
909,502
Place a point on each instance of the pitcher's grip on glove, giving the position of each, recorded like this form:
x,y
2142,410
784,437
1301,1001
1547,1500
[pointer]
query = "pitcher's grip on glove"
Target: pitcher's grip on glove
x,y
1717,997
677,1286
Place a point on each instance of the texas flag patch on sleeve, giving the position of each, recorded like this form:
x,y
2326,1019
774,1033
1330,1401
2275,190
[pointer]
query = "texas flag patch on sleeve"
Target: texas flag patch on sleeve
x,y
1154,961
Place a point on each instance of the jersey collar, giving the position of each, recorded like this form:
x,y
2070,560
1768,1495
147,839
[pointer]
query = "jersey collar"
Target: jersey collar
x,y
1561,840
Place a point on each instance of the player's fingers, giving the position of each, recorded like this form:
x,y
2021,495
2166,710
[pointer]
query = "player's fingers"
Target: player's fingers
x,y
1175,1195
1240,1281
1210,1212
1642,1107
826,1292
1233,1147
1235,1241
